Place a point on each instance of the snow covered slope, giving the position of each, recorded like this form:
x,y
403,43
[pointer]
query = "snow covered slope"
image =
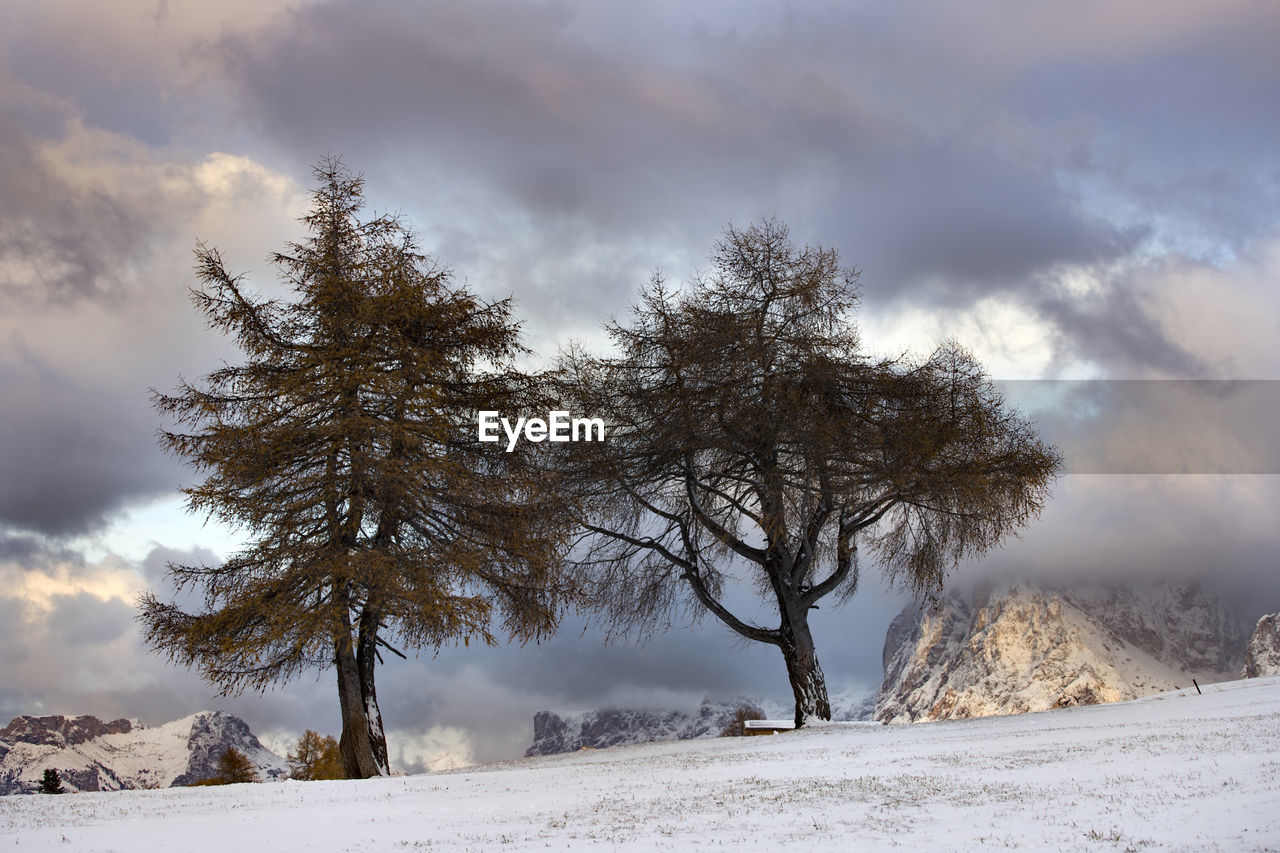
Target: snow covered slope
x,y
1177,771
606,727
1263,655
90,755
1013,649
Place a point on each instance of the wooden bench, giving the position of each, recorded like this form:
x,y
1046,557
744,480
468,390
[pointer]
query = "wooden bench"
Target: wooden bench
x,y
767,727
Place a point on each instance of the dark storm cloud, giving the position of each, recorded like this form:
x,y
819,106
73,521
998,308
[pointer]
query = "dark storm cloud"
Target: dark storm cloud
x,y
1183,130
155,565
1142,529
84,619
942,155
94,265
75,444
18,548
613,141
71,453
1114,327
946,223
697,658
38,553
495,693
1217,427
57,241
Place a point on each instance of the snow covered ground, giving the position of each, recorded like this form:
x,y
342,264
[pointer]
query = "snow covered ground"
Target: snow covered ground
x,y
1174,771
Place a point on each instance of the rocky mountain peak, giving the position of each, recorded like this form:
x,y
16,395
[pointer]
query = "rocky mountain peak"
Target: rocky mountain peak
x,y
212,733
1263,655
1001,649
554,733
60,731
90,755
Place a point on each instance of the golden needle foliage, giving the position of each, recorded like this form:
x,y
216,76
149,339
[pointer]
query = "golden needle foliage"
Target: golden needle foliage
x,y
750,435
345,447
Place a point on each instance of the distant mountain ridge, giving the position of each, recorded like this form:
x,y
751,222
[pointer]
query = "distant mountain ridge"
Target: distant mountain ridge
x,y
1263,655
91,755
1015,648
554,733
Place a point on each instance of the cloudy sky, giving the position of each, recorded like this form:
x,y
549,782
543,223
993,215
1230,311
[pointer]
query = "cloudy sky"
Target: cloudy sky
x,y
1084,190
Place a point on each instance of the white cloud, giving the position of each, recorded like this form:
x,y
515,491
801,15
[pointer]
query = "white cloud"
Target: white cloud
x,y
1227,315
1010,339
437,748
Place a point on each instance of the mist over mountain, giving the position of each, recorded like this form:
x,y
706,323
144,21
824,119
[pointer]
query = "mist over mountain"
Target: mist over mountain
x,y
554,733
1013,648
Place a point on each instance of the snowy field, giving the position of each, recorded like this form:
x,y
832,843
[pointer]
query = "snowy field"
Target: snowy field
x,y
1175,771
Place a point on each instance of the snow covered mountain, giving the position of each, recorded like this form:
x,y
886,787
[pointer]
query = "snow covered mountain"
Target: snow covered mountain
x,y
1016,648
605,727
1263,655
91,755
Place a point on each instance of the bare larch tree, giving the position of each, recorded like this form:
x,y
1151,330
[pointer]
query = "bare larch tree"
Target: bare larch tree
x,y
749,436
345,448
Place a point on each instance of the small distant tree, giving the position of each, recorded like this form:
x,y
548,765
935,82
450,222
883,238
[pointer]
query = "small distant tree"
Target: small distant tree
x,y
51,783
315,758
737,727
233,768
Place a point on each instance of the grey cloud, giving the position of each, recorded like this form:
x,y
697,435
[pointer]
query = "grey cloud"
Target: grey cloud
x,y
82,654
71,453
18,548
625,138
75,442
557,157
84,619
155,565
1114,328
1214,427
1143,528
57,241
494,694
1178,128
94,267
29,552
945,223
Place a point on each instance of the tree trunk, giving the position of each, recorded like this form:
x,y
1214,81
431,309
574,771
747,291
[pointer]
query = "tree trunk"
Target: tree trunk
x,y
360,760
367,662
807,682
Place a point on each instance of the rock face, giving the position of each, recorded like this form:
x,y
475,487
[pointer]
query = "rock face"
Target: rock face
x,y
90,755
555,733
60,731
1263,655
1013,649
211,735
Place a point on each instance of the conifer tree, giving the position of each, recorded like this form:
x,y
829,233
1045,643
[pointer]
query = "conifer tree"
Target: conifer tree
x,y
345,447
51,783
235,768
